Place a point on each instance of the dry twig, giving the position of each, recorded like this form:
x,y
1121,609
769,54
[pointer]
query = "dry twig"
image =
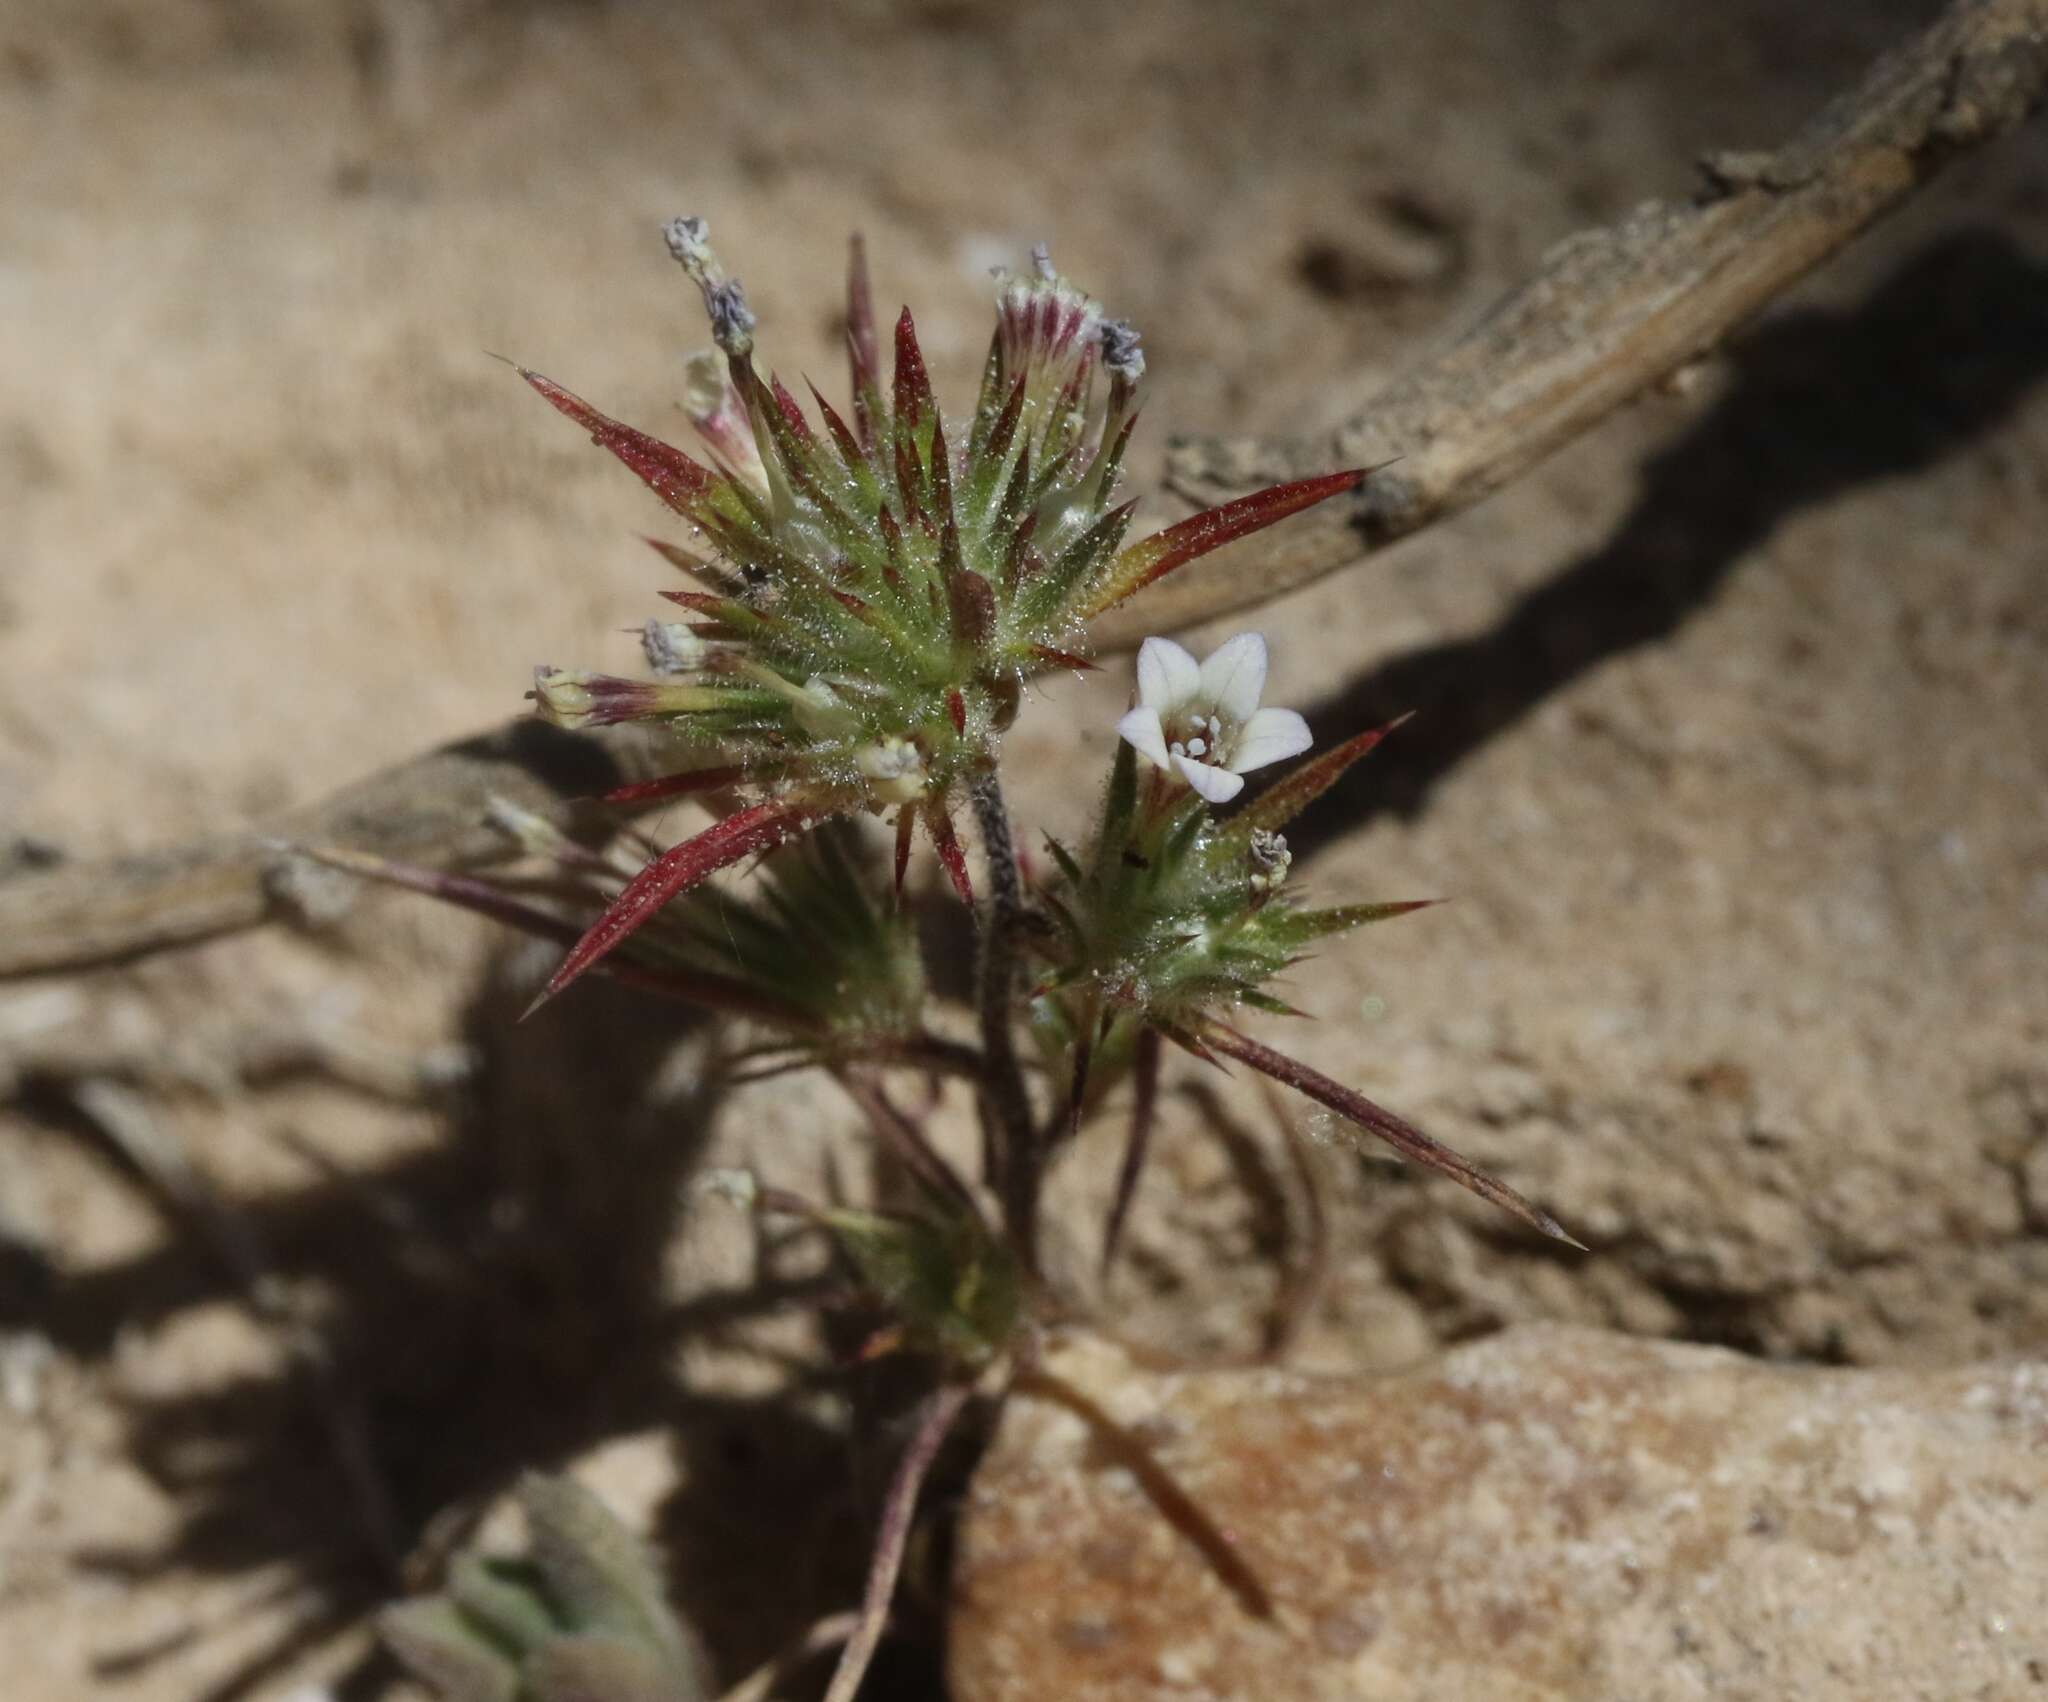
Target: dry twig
x,y
1608,314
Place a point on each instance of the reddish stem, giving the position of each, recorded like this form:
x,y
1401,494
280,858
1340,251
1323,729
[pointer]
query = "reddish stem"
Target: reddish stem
x,y
1145,1073
899,1508
1021,1173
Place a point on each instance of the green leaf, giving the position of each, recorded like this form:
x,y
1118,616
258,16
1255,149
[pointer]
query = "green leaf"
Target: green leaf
x,y
1065,859
954,1288
503,1599
599,1668
1120,809
1297,928
1281,802
599,1573
432,1640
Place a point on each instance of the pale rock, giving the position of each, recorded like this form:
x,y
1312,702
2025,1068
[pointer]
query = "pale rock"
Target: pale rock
x,y
1551,1513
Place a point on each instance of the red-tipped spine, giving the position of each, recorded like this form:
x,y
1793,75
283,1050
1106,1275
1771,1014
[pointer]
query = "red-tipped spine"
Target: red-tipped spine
x,y
1005,427
850,451
1045,656
1378,1121
761,827
947,843
664,469
1160,554
906,825
676,785
913,402
716,992
1285,799
792,413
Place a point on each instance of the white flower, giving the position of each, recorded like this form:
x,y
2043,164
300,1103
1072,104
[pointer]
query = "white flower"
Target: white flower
x,y
1203,721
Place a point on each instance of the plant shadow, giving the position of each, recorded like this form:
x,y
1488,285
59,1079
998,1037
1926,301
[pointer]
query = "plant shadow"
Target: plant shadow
x,y
496,1302
1823,400
492,1304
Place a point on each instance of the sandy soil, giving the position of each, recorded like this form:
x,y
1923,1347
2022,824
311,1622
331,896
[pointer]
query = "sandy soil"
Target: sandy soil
x,y
1731,750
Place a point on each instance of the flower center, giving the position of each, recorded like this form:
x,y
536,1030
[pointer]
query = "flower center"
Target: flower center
x,y
1199,737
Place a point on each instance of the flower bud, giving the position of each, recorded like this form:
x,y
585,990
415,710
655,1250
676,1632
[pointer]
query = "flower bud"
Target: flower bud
x,y
894,769
1268,859
672,648
599,700
816,708
732,324
715,409
1121,355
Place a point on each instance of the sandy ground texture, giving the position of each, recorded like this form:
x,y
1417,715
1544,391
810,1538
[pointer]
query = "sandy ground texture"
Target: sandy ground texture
x,y
1730,753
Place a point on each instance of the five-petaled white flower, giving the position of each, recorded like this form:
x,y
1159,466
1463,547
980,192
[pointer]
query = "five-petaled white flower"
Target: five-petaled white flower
x,y
1203,721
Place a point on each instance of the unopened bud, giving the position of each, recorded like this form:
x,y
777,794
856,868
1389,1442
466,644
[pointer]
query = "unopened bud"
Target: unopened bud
x,y
564,698
894,769
599,700
1120,352
816,708
1269,860
672,648
720,417
732,324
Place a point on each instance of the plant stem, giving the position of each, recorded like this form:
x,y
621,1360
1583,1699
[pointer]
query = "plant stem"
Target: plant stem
x,y
760,1684
1146,1072
934,1420
1021,1171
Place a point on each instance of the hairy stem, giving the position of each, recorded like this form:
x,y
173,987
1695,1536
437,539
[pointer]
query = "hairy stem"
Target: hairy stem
x,y
1021,1155
933,1422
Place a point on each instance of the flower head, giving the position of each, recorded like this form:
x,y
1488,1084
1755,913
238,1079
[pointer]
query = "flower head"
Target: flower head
x,y
871,593
1202,721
